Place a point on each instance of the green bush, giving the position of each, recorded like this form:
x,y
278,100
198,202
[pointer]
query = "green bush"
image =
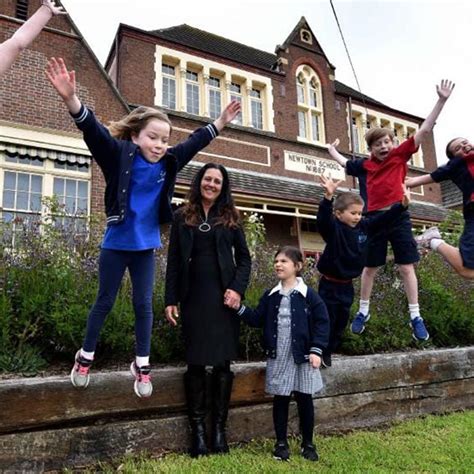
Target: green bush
x,y
48,284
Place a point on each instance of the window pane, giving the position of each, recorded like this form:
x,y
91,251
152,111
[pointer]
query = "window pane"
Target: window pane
x,y
192,98
300,91
70,205
235,87
255,93
82,206
35,202
8,199
58,187
313,96
238,118
23,182
71,187
9,180
315,127
301,124
36,183
214,103
22,201
82,189
257,115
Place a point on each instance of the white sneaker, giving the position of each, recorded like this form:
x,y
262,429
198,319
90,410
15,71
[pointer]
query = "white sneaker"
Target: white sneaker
x,y
80,372
423,240
142,386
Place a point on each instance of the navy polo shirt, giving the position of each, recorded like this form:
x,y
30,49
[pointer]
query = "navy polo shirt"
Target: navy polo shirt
x,y
460,170
380,182
140,230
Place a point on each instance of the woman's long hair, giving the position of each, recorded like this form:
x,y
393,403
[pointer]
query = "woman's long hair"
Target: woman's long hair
x,y
227,214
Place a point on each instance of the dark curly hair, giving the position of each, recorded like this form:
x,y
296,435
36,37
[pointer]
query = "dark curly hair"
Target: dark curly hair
x,y
227,214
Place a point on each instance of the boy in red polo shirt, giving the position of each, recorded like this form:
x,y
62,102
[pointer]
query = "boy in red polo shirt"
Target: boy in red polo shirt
x,y
380,184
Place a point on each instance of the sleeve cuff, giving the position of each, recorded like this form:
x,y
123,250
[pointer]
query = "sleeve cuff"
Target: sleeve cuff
x,y
316,350
212,129
241,310
81,115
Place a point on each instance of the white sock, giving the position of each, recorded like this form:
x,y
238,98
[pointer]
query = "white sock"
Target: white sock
x,y
87,355
435,243
142,361
364,307
414,310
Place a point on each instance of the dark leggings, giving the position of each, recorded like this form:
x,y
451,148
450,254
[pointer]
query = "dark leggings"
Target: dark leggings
x,y
281,405
112,266
201,369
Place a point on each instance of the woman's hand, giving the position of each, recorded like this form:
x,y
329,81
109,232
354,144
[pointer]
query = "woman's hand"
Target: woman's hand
x,y
232,299
315,361
171,314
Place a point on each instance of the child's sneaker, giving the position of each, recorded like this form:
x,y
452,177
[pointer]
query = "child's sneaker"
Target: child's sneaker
x,y
326,360
142,386
281,451
358,324
423,240
308,451
80,371
419,329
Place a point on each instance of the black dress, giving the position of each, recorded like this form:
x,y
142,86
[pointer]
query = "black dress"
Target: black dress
x,y
210,329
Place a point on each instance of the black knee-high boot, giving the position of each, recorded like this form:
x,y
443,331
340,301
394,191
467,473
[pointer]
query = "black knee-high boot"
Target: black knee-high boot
x,y
195,388
221,390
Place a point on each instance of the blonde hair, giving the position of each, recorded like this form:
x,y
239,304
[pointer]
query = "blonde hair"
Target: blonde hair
x,y
135,121
376,133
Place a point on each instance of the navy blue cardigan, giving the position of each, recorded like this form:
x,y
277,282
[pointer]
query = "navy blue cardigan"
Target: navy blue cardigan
x,y
115,159
309,323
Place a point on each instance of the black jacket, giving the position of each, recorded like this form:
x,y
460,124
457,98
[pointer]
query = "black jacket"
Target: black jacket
x,y
309,322
115,159
346,247
232,254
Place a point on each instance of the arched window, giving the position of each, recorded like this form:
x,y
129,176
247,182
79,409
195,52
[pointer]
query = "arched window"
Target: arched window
x,y
310,105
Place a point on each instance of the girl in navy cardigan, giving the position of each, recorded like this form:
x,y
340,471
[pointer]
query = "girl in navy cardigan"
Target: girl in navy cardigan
x,y
140,173
295,332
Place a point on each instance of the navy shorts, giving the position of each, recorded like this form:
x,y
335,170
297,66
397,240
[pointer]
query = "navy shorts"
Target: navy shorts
x,y
466,242
400,236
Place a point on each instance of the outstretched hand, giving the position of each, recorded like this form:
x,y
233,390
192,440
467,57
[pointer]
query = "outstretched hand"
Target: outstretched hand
x,y
54,9
329,185
445,88
228,114
64,82
333,145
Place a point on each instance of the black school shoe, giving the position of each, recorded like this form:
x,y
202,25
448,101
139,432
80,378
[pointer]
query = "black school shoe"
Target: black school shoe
x,y
326,361
281,451
308,451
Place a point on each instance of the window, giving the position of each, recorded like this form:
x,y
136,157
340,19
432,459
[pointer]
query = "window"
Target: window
x,y
256,108
215,98
21,9
310,111
192,92
81,167
236,94
169,86
72,195
24,160
355,135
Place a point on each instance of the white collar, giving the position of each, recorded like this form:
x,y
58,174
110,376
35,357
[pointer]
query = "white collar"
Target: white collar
x,y
300,286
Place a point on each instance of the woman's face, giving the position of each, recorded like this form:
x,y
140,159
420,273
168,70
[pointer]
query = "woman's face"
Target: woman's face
x,y
211,185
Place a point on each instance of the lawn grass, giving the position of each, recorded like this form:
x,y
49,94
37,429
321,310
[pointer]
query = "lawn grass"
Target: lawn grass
x,y
434,444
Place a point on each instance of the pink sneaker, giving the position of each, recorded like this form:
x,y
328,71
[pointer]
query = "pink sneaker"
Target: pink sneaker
x,y
423,240
80,372
142,386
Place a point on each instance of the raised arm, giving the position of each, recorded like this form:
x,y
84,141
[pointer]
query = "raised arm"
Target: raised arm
x,y
443,90
418,181
23,37
335,155
64,82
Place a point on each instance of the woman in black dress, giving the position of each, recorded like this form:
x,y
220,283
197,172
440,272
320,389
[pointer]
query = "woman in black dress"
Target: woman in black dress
x,y
207,274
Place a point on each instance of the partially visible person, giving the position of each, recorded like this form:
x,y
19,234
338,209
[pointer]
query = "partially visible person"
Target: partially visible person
x,y
24,36
460,170
207,273
295,334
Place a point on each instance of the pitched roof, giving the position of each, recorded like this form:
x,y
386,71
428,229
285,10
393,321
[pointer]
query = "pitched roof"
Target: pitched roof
x,y
294,190
451,194
218,45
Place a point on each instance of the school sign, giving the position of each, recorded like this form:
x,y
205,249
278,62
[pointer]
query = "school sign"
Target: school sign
x,y
311,165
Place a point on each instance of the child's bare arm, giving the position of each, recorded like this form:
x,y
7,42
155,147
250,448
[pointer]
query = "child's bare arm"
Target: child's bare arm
x,y
444,90
418,181
23,37
335,154
64,82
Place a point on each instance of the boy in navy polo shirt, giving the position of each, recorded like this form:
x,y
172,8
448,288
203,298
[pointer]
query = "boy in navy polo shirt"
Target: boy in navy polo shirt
x,y
459,169
345,232
380,179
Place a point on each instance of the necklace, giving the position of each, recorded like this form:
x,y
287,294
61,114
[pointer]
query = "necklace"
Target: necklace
x,y
204,226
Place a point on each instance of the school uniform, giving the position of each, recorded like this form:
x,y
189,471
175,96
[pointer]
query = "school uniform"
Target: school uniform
x,y
380,186
460,170
343,259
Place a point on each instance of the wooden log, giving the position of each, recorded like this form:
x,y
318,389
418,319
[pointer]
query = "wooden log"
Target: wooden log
x,y
110,395
81,446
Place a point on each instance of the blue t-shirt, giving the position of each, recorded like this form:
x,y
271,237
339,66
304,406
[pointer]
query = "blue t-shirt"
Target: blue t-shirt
x,y
140,229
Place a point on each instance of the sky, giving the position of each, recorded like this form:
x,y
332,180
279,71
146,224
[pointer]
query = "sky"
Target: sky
x,y
400,49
